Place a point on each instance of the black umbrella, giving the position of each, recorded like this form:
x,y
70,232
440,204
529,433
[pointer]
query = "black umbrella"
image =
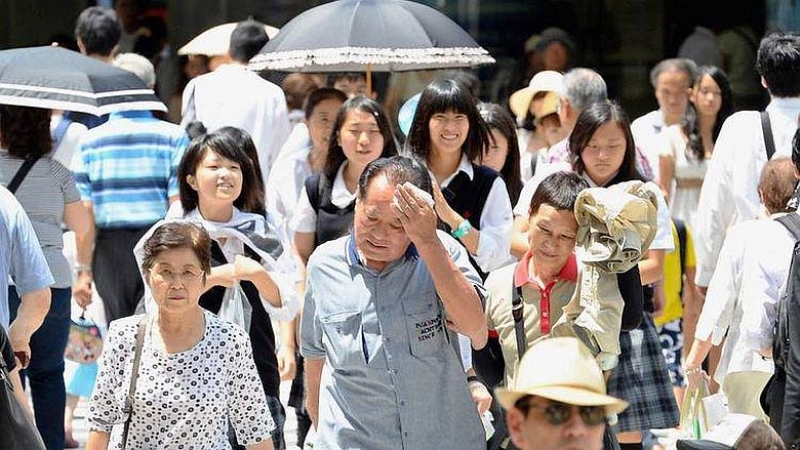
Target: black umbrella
x,y
57,78
381,35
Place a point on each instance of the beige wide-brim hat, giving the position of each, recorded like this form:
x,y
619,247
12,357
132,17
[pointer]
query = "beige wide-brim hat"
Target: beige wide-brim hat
x,y
546,80
561,369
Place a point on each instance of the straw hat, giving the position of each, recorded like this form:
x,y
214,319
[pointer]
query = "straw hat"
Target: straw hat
x,y
548,105
546,80
561,369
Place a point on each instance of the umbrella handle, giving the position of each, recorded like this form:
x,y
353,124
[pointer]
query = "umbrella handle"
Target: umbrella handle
x,y
369,80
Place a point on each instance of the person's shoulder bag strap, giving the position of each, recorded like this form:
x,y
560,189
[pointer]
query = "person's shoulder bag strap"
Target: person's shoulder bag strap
x,y
22,172
516,313
137,357
766,129
61,131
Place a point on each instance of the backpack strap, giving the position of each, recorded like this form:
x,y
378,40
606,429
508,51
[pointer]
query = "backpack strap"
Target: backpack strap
x,y
516,313
792,223
680,227
21,173
766,130
60,131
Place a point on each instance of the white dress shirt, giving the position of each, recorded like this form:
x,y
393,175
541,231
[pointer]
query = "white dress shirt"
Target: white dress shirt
x,y
725,305
289,174
730,188
497,220
645,132
766,269
234,96
304,219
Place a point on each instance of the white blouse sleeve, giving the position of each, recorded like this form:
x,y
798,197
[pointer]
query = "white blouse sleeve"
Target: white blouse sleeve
x,y
304,219
494,244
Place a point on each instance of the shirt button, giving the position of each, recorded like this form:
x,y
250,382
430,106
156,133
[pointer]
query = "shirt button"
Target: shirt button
x,y
387,340
402,403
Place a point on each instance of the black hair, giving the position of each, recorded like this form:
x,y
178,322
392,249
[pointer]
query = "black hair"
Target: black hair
x,y
25,131
778,61
195,128
335,153
499,119
689,123
318,96
349,76
99,30
588,122
439,97
559,190
247,39
250,200
469,80
796,149
245,142
398,169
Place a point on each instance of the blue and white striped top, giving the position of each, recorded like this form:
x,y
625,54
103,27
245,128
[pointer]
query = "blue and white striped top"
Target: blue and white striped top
x,y
128,168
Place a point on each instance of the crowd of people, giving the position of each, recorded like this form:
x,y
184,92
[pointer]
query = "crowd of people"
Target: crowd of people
x,y
435,284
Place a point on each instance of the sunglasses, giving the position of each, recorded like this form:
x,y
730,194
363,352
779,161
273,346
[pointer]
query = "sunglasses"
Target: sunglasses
x,y
557,413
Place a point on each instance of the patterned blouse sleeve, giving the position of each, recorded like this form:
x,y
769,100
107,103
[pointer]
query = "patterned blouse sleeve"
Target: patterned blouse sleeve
x,y
247,403
105,409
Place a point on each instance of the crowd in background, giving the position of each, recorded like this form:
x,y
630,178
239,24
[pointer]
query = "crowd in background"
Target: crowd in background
x,y
285,183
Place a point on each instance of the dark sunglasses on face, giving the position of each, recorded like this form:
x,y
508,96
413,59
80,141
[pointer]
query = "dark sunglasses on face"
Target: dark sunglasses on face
x,y
557,413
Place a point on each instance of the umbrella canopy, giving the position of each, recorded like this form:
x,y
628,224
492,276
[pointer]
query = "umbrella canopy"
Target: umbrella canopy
x,y
215,41
57,78
381,35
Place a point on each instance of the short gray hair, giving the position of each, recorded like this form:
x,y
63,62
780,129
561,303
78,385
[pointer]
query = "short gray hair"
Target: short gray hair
x,y
139,65
583,87
684,65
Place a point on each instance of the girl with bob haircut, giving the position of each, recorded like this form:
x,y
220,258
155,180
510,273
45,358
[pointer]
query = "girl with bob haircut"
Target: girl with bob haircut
x,y
219,189
179,338
361,134
448,134
604,154
503,153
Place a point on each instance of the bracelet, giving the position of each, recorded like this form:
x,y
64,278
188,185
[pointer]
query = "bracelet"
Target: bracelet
x,y
692,371
472,378
83,268
462,230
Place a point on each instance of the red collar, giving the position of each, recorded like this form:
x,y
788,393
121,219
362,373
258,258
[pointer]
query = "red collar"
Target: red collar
x,y
568,273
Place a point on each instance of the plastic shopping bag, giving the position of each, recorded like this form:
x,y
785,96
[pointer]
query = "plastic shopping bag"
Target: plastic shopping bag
x,y
235,307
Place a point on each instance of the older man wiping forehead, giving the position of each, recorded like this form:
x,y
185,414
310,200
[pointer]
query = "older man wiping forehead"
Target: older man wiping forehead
x,y
377,307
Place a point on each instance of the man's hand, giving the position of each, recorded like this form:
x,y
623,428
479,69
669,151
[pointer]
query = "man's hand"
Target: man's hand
x,y
480,395
82,289
287,365
443,209
30,315
416,215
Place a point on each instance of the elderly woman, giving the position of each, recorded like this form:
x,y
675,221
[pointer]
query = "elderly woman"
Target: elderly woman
x,y
196,374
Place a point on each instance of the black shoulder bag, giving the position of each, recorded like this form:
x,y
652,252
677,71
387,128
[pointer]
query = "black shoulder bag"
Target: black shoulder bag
x,y
16,426
137,357
21,173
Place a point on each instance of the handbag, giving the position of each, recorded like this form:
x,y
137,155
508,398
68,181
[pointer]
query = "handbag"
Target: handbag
x,y
137,357
700,411
16,426
85,343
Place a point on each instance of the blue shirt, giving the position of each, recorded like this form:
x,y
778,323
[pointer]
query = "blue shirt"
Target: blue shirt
x,y
21,256
128,168
392,379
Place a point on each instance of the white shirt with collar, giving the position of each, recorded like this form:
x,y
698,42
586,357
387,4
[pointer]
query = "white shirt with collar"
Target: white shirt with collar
x,y
766,268
728,311
497,220
730,190
305,217
235,96
645,132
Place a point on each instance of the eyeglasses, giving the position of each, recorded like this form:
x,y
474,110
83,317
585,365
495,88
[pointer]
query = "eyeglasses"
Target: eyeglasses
x,y
170,277
557,413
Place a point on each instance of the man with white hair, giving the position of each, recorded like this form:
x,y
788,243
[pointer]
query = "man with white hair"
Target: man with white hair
x,y
126,172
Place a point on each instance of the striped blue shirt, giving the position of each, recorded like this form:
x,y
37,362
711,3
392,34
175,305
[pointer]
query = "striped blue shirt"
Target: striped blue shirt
x,y
128,168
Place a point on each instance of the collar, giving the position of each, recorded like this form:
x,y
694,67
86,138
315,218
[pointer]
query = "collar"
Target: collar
x,y
463,166
784,103
568,273
591,182
130,115
354,257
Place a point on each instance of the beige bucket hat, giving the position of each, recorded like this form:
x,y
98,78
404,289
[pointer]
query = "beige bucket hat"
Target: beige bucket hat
x,y
546,80
561,369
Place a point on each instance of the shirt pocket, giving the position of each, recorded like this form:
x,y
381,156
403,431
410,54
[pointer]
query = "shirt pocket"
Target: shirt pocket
x,y
427,334
344,339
